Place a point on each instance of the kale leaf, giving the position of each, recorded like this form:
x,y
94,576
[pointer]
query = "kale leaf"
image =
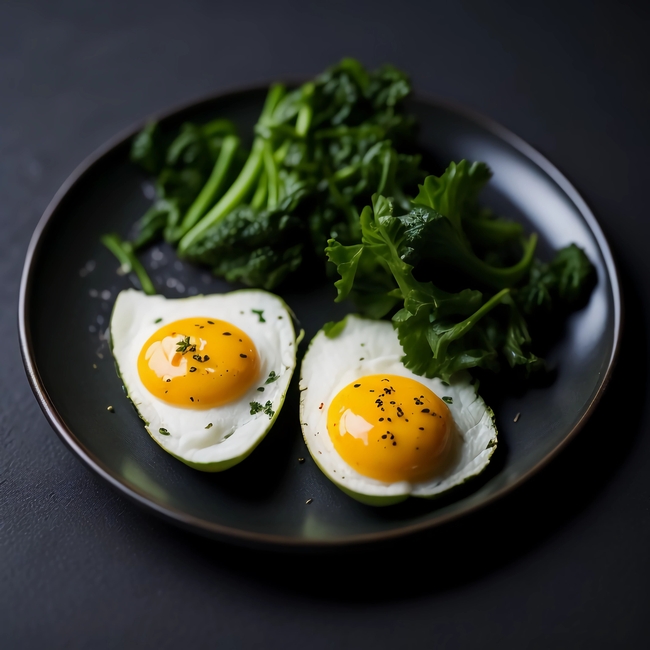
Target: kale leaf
x,y
319,154
407,260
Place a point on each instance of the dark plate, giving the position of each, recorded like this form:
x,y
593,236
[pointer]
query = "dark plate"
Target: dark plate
x,y
69,285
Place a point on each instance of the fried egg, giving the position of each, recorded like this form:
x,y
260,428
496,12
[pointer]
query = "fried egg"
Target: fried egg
x,y
382,433
207,374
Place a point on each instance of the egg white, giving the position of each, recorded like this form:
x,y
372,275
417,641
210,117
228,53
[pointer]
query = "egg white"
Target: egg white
x,y
368,347
234,432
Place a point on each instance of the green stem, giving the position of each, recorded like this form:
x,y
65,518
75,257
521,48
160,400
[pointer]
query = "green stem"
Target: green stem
x,y
491,231
281,152
259,198
273,181
235,195
344,173
212,189
303,121
460,329
275,94
244,183
494,276
127,258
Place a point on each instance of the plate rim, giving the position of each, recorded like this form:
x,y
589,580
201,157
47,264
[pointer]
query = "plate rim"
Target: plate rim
x,y
273,541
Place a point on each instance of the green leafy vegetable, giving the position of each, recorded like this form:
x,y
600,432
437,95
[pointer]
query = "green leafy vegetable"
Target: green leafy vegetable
x,y
333,173
411,260
319,153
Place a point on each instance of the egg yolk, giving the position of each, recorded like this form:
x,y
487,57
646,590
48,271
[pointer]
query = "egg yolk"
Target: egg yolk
x,y
198,363
390,428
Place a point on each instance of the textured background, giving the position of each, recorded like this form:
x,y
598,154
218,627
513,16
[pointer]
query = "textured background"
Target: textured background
x,y
563,561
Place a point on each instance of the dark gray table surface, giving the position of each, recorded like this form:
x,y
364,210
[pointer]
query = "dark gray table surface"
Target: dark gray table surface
x,y
562,562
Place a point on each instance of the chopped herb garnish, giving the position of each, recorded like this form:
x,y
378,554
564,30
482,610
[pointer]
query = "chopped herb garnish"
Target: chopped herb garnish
x,y
208,425
193,369
448,400
272,377
445,383
267,409
243,356
163,432
261,389
260,314
158,320
211,322
184,346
